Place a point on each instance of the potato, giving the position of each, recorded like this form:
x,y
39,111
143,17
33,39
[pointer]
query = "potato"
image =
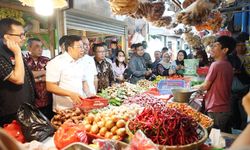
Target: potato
x,y
108,135
94,129
90,118
101,124
116,137
97,118
103,131
109,124
120,123
113,130
121,132
87,127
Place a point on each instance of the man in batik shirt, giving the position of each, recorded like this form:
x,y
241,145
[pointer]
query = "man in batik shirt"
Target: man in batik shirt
x,y
37,64
104,69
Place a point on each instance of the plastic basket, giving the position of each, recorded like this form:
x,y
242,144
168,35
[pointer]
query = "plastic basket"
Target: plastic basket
x,y
165,86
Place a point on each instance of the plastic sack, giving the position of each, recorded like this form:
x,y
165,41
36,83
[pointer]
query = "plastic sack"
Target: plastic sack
x,y
141,142
69,133
14,130
34,125
106,144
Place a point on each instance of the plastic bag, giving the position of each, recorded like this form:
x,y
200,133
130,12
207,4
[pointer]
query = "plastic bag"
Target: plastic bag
x,y
14,129
69,133
106,144
34,125
141,142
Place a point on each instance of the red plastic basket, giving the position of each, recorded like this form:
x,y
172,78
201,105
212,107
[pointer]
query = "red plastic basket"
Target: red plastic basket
x,y
93,102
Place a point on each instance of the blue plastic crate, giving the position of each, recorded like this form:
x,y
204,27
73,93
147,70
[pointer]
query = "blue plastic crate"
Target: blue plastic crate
x,y
165,86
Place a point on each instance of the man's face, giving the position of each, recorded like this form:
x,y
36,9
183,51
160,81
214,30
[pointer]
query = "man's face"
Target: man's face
x,y
36,49
77,51
241,48
16,34
86,47
100,53
157,55
217,51
140,51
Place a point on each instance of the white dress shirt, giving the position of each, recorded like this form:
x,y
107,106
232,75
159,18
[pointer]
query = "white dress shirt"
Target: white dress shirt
x,y
89,69
69,75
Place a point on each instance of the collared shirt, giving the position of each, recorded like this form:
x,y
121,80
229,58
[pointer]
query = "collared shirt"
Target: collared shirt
x,y
69,75
12,95
90,71
105,74
44,97
137,66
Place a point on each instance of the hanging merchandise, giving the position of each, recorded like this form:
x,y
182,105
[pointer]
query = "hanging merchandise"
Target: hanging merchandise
x,y
12,13
124,7
197,13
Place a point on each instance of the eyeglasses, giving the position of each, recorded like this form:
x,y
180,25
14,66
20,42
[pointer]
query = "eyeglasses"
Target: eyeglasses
x,y
19,35
81,47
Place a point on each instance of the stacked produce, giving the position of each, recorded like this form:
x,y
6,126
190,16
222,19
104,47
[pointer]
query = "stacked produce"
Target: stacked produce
x,y
124,7
197,116
146,84
165,126
175,77
110,122
145,100
159,78
118,92
75,115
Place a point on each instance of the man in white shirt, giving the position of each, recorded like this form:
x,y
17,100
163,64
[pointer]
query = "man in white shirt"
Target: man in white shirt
x,y
89,67
65,76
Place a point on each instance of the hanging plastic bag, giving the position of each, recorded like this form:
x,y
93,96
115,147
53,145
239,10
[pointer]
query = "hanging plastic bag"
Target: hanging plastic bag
x,y
69,133
34,125
14,130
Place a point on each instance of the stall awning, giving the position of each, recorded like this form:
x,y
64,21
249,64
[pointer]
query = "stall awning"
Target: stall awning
x,y
80,20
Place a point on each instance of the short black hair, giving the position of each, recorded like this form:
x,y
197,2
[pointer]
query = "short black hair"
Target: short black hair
x,y
95,46
164,49
62,40
132,46
30,40
138,45
227,42
5,25
114,42
70,41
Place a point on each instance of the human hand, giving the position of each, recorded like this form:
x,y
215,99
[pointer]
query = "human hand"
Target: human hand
x,y
76,98
246,103
13,46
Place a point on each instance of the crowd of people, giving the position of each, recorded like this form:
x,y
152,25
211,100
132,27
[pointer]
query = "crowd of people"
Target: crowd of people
x,y
61,82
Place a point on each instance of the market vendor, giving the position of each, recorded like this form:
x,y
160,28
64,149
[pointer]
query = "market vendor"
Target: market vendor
x,y
104,68
17,84
137,65
218,84
65,75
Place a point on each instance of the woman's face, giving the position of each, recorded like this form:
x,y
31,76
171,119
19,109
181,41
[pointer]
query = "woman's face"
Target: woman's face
x,y
180,56
166,57
121,57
